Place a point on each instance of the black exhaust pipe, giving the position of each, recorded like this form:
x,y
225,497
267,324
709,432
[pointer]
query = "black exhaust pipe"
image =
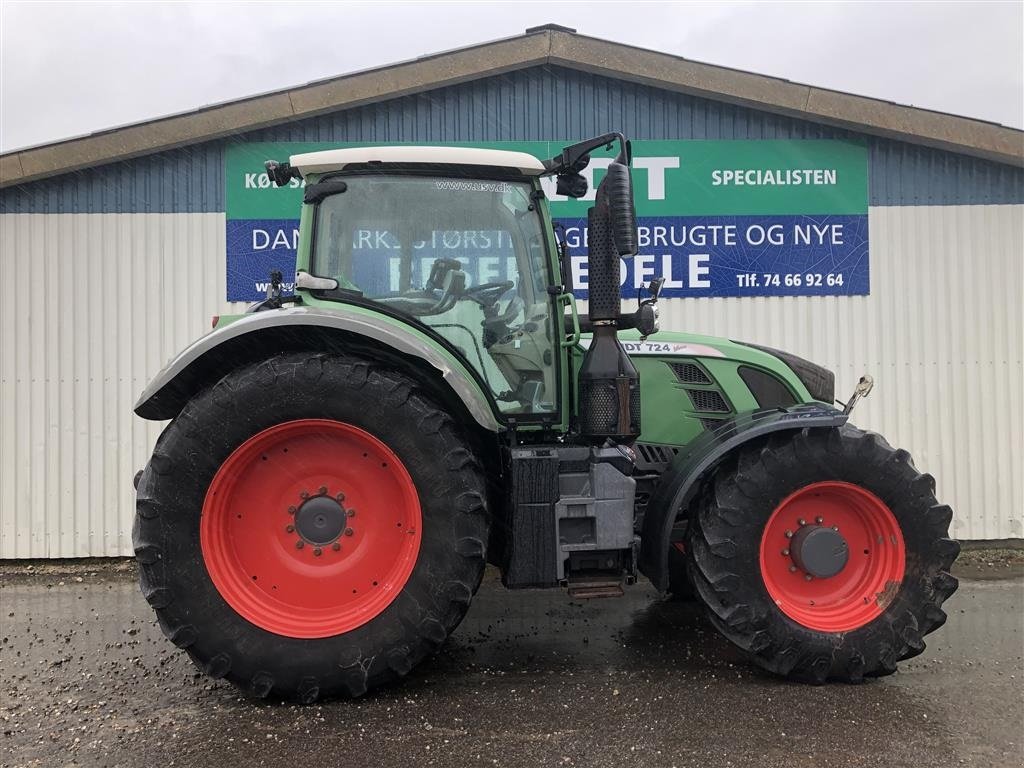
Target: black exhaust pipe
x,y
609,398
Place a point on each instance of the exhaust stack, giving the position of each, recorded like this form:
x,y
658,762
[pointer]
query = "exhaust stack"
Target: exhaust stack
x,y
609,394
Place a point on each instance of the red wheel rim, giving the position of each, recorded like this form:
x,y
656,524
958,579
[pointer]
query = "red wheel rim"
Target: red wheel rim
x,y
310,528
870,579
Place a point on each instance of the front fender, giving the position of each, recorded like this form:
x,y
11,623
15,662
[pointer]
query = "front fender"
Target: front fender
x,y
261,333
681,481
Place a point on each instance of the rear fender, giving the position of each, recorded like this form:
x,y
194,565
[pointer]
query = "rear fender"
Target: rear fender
x,y
263,334
680,482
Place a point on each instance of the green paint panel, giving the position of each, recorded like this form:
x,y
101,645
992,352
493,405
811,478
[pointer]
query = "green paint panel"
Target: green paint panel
x,y
666,411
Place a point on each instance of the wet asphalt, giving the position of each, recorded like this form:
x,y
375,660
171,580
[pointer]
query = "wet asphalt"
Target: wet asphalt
x,y
529,679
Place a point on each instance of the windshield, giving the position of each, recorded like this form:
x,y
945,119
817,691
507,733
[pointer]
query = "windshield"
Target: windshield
x,y
465,256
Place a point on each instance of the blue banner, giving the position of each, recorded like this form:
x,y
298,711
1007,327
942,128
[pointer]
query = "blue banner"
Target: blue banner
x,y
702,256
255,247
698,256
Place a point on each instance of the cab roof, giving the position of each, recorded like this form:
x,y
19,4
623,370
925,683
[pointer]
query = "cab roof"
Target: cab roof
x,y
338,159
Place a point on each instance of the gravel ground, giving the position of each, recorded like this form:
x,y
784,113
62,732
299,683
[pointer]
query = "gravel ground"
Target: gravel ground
x,y
529,679
990,563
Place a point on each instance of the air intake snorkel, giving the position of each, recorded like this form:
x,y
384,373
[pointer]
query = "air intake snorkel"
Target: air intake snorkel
x,y
609,396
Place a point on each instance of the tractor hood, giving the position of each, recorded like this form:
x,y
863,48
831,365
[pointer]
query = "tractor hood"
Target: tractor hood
x,y
817,380
694,382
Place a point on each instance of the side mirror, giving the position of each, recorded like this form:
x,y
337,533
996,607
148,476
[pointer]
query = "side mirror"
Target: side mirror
x,y
571,184
646,319
281,173
617,187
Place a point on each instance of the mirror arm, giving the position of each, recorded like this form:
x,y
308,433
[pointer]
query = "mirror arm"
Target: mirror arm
x,y
654,288
575,157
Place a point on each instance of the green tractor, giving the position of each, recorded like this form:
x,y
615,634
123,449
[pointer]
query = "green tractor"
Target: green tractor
x,y
342,463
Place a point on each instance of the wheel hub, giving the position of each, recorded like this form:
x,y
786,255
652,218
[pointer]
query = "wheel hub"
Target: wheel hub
x,y
832,556
278,529
819,551
320,520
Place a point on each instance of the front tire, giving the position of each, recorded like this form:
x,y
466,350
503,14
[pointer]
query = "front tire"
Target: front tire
x,y
311,526
852,604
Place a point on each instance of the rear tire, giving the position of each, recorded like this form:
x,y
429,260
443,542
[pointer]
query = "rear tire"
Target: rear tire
x,y
858,622
219,508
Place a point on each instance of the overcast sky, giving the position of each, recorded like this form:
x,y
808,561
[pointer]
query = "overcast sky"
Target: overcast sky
x,y
72,68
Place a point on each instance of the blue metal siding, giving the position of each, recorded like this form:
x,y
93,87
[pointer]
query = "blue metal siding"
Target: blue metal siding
x,y
534,104
189,180
909,174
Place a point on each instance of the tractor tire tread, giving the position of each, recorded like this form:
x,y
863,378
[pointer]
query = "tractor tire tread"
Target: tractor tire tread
x,y
425,614
723,536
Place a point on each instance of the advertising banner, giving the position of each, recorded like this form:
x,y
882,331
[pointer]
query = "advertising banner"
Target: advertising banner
x,y
716,218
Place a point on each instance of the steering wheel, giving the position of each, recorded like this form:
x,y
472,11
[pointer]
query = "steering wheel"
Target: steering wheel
x,y
487,294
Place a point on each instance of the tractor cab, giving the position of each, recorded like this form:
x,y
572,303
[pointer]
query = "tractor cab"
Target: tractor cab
x,y
460,242
454,241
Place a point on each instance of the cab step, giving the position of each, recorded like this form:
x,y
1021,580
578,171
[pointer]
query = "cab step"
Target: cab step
x,y
588,586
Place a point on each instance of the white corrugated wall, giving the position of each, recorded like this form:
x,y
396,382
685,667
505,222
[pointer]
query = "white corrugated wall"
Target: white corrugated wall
x,y
92,307
93,304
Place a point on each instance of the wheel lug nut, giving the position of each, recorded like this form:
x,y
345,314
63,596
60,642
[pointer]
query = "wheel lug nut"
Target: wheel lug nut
x,y
292,510
792,569
835,527
789,534
801,521
351,513
335,546
340,497
819,519
808,577
323,490
303,494
348,531
317,551
785,552
290,528
300,544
